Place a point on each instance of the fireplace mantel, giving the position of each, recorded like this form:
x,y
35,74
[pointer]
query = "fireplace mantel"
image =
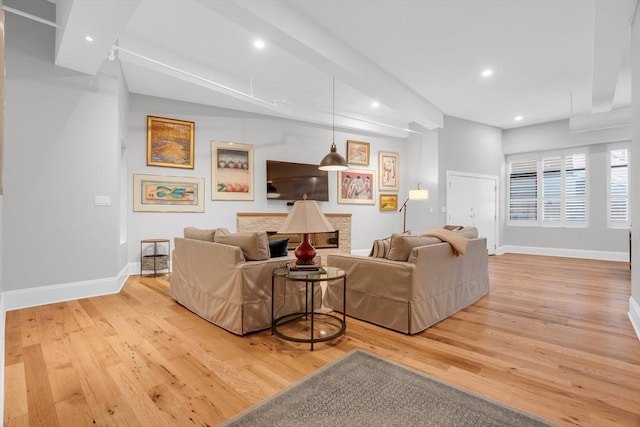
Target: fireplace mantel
x,y
271,221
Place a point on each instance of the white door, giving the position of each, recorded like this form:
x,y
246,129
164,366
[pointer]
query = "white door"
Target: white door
x,y
471,200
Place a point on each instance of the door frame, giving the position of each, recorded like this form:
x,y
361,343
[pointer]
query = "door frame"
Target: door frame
x,y
496,182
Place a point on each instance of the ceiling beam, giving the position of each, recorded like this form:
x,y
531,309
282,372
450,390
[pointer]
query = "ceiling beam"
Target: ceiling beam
x,y
280,23
612,36
102,20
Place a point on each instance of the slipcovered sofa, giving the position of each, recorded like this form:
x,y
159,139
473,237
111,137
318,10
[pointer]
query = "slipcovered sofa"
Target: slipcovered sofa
x,y
412,282
226,278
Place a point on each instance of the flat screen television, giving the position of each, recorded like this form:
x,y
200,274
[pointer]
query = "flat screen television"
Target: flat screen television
x,y
290,181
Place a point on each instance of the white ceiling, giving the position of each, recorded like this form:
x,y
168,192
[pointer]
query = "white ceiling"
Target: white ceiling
x,y
552,59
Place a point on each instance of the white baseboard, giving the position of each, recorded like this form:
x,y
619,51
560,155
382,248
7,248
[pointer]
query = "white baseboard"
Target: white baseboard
x,y
566,253
634,315
32,297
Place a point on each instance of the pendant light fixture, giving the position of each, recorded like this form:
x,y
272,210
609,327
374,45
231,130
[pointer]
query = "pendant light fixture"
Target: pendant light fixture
x,y
333,161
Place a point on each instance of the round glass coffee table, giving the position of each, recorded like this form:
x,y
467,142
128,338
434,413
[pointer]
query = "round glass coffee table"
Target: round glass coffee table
x,y
319,325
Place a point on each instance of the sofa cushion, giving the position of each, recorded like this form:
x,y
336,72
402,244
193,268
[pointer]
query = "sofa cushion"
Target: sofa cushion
x,y
278,248
453,227
401,245
220,231
254,245
208,235
380,248
199,234
468,232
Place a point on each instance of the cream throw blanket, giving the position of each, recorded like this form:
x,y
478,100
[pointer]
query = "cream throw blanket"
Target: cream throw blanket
x,y
457,241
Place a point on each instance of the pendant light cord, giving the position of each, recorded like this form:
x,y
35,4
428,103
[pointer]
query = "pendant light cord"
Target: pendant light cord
x,y
334,111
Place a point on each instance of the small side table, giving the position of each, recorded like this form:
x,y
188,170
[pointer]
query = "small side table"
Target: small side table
x,y
310,279
157,260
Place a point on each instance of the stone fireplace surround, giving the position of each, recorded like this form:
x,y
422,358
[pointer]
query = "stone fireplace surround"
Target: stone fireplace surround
x,y
271,221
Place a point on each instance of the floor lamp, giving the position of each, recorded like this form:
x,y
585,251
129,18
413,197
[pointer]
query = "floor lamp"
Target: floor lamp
x,y
416,194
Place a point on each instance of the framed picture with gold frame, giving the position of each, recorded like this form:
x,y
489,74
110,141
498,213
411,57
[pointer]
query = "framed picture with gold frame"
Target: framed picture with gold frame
x,y
388,202
231,171
357,186
358,152
388,170
170,142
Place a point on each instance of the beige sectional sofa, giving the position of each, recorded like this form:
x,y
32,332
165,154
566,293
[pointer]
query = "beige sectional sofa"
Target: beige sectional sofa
x,y
226,279
413,283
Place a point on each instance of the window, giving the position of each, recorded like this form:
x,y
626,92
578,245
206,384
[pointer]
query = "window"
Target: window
x,y
548,189
618,203
523,190
575,188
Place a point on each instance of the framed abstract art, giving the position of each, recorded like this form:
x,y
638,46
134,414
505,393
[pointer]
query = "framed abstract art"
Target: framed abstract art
x,y
170,142
158,193
357,186
389,171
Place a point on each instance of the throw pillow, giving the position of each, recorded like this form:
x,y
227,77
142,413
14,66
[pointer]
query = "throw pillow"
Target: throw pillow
x,y
401,245
278,248
469,232
219,232
254,245
199,234
380,248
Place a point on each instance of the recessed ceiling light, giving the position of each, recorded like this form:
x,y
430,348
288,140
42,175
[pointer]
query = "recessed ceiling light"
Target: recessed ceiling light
x,y
88,38
517,118
487,73
375,104
259,44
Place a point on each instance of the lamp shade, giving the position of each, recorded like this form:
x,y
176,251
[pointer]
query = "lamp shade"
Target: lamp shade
x,y
333,161
306,217
418,194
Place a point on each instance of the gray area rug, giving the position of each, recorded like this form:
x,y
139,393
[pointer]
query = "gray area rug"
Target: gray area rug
x,y
362,389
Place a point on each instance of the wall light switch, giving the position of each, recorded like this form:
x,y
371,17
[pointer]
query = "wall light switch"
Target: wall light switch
x,y
102,201
444,209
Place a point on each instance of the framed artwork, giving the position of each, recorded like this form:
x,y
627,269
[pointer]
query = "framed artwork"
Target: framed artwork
x,y
170,142
358,153
157,193
357,186
231,171
388,168
388,202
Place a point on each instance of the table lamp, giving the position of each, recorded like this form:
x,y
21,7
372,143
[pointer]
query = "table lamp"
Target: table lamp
x,y
305,218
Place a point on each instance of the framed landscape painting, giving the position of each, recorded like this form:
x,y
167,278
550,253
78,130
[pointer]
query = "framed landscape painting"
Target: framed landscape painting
x,y
358,153
388,168
388,202
357,186
231,171
157,193
170,142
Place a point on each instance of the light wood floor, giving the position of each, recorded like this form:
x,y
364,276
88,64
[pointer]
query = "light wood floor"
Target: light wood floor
x,y
552,338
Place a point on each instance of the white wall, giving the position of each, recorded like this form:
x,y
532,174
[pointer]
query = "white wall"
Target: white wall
x,y
273,139
597,237
634,302
466,146
420,165
61,150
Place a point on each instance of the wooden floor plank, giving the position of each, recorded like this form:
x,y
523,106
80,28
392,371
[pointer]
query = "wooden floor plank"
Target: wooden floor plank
x,y
552,338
